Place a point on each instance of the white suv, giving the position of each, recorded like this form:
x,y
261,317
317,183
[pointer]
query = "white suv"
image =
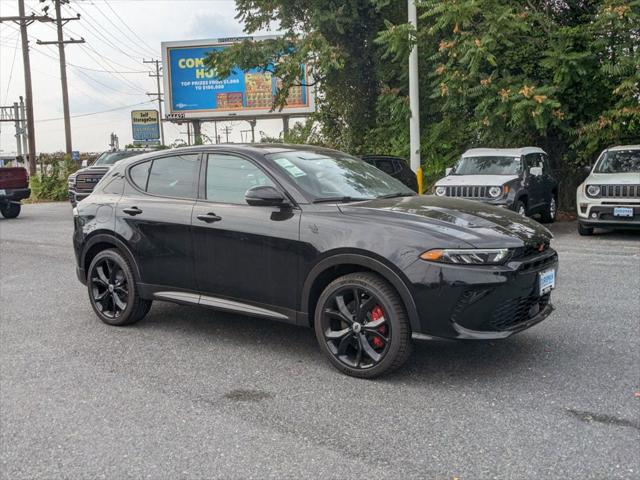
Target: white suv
x,y
610,196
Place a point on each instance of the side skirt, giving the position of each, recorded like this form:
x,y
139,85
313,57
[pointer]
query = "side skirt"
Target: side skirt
x,y
218,303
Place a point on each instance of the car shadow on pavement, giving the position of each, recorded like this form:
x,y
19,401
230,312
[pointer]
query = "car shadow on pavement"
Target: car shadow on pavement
x,y
456,361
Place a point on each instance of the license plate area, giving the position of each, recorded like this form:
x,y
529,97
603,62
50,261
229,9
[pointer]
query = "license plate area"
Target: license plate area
x,y
623,212
546,281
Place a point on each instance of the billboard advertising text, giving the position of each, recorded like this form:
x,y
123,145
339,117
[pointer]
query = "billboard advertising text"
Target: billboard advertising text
x,y
195,92
145,125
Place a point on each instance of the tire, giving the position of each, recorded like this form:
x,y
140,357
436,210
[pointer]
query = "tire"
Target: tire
x,y
520,207
550,211
585,231
110,285
341,333
10,210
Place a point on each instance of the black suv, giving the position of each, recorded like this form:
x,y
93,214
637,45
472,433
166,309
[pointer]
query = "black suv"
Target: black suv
x,y
396,167
311,237
82,182
515,178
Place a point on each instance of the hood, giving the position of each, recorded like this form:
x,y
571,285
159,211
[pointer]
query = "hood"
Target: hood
x,y
480,180
631,178
92,169
477,224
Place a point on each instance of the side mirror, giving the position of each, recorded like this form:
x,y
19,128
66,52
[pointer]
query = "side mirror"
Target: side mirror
x,y
265,196
85,163
535,171
587,169
448,171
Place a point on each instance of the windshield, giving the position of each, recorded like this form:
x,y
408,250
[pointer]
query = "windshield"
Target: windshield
x,y
620,161
326,175
498,165
109,158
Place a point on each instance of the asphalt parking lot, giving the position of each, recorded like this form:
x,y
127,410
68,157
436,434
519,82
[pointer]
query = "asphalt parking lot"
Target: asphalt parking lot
x,y
194,394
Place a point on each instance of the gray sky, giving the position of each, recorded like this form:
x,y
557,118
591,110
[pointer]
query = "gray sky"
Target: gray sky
x,y
113,47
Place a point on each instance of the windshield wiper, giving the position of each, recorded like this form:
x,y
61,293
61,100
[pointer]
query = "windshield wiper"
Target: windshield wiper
x,y
340,199
397,194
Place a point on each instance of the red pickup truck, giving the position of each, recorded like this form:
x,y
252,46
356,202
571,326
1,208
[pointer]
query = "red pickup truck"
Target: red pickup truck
x,y
14,186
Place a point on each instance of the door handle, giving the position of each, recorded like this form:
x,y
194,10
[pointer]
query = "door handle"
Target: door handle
x,y
133,211
209,217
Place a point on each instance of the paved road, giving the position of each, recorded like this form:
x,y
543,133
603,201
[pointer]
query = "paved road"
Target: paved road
x,y
194,394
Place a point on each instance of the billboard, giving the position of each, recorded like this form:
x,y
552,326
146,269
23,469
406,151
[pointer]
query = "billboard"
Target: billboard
x,y
192,91
145,125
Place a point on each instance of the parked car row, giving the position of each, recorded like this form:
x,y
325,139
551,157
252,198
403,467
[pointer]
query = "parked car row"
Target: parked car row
x,y
521,179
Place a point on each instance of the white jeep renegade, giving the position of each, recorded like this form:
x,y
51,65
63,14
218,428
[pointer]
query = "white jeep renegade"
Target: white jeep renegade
x,y
610,196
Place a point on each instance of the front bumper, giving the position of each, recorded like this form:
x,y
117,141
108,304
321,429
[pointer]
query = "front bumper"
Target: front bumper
x,y
599,212
15,194
481,302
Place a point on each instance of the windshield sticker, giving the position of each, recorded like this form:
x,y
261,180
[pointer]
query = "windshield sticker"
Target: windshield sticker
x,y
291,169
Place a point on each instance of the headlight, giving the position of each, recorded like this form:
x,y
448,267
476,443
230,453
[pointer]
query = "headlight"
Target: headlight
x,y
71,181
441,191
487,256
593,190
495,192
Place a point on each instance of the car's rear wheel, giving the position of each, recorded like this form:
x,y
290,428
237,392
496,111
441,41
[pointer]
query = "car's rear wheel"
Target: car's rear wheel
x,y
584,230
362,326
550,211
113,290
10,210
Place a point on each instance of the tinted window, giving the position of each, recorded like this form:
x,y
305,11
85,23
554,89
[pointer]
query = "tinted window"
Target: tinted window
x,y
387,166
229,177
139,174
175,176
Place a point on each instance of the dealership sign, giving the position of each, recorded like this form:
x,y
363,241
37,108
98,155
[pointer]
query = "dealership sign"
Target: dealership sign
x,y
194,92
145,125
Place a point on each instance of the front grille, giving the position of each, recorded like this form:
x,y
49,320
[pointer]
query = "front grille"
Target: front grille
x,y
468,191
619,191
86,182
529,250
518,310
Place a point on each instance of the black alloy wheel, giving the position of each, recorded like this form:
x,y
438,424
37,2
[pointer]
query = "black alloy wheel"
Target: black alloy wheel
x,y
551,210
362,326
112,290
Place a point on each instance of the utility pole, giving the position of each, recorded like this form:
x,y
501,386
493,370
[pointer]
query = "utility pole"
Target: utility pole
x,y
157,76
414,100
24,21
61,42
23,127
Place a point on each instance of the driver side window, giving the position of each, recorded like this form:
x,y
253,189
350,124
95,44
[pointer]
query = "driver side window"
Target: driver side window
x,y
229,177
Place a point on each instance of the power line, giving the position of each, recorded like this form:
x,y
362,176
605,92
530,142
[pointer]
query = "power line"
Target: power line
x,y
96,113
144,44
13,62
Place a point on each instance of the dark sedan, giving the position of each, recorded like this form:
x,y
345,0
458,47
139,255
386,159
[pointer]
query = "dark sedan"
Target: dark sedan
x,y
312,237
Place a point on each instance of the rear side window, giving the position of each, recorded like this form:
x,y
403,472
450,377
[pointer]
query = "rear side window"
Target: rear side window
x,y
174,176
229,177
139,174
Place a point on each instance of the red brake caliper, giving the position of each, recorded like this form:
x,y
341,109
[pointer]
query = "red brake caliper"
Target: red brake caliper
x,y
377,314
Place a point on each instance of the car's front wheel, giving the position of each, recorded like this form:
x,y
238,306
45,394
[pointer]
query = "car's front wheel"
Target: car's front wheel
x,y
112,290
362,325
10,210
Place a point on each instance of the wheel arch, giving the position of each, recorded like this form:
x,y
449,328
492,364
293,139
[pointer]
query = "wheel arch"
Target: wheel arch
x,y
100,241
330,268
